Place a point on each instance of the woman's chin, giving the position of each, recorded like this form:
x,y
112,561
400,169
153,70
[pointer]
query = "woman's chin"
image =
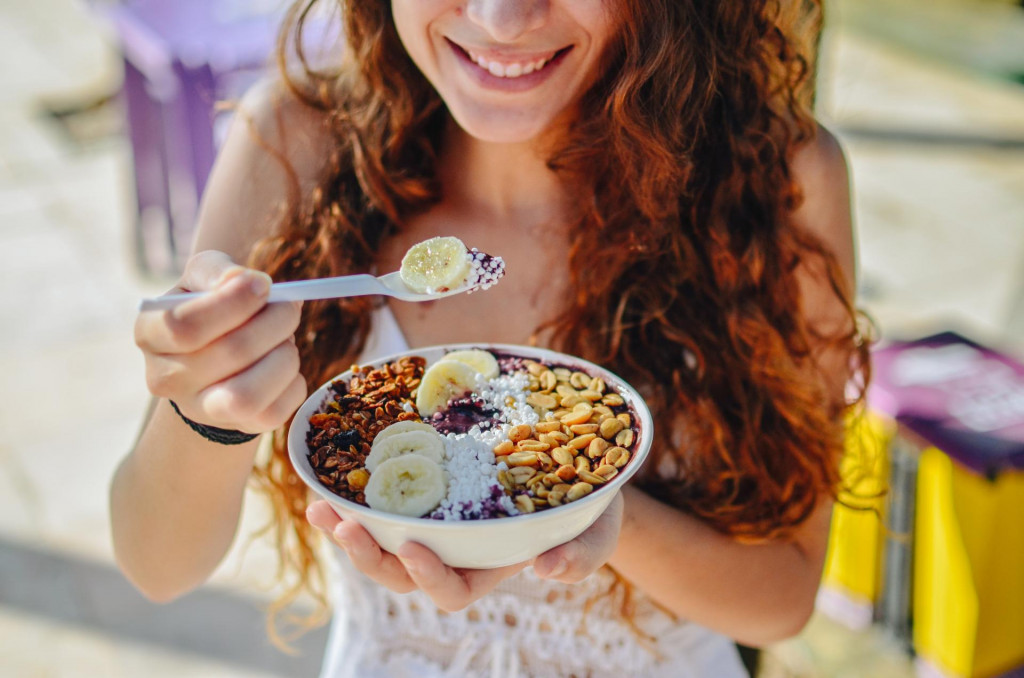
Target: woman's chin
x,y
502,129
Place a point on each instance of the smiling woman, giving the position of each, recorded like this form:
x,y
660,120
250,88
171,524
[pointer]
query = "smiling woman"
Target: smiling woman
x,y
666,207
506,70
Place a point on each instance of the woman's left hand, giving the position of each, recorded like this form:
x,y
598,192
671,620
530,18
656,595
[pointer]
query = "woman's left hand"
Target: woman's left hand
x,y
578,559
452,589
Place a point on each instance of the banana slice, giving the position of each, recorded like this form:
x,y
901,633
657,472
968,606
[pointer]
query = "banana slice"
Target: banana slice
x,y
428,444
409,485
404,427
444,380
436,265
481,361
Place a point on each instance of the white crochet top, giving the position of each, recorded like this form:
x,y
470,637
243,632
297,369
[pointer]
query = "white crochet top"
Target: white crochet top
x,y
526,627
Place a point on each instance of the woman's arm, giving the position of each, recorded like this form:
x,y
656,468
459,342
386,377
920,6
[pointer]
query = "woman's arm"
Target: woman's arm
x,y
227,360
756,594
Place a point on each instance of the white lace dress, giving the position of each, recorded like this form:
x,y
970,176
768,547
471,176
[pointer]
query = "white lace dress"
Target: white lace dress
x,y
526,628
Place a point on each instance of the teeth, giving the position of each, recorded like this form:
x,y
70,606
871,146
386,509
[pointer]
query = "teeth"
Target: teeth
x,y
513,70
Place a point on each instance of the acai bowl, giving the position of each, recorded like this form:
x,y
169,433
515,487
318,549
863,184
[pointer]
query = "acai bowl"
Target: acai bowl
x,y
488,454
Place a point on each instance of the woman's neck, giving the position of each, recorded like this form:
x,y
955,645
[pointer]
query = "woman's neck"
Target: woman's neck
x,y
500,182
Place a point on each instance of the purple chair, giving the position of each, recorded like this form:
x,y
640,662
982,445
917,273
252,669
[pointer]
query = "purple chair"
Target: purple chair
x,y
181,57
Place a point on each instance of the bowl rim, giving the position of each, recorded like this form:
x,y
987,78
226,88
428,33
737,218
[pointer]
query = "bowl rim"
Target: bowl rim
x,y
298,450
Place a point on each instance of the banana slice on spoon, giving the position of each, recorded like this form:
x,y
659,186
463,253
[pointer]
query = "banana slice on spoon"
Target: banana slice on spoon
x,y
443,264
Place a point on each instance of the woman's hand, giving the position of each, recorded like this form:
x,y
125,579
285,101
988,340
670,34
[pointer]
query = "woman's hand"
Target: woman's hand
x,y
227,359
578,559
417,567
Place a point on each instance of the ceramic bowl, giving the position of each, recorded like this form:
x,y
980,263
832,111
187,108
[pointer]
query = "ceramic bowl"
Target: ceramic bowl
x,y
488,543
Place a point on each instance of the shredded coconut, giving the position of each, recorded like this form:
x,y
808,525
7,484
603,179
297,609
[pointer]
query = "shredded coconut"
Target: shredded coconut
x,y
473,488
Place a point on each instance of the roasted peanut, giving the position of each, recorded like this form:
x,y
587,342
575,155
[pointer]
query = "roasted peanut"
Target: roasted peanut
x,y
532,446
564,390
548,426
542,400
579,380
580,442
520,432
613,400
523,459
578,491
525,504
562,456
597,447
572,400
566,472
505,448
616,456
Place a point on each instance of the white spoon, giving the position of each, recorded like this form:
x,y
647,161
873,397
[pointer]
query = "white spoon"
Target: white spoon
x,y
389,285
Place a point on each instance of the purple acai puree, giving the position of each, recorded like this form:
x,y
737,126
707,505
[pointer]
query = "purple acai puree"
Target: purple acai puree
x,y
462,414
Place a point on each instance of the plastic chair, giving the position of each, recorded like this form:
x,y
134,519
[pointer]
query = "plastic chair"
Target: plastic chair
x,y
180,59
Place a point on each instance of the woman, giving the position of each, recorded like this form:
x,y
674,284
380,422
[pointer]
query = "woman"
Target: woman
x,y
666,206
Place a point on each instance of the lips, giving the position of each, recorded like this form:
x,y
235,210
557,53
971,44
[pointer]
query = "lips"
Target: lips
x,y
510,72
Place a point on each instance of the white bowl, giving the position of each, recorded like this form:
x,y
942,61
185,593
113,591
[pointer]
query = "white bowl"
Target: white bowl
x,y
488,543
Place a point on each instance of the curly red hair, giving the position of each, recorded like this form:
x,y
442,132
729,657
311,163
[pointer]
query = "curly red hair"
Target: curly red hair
x,y
681,155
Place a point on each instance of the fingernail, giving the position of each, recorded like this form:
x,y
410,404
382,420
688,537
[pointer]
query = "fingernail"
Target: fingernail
x,y
340,538
260,283
558,570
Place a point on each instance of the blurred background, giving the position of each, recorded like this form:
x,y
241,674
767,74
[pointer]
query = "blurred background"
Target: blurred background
x,y
107,128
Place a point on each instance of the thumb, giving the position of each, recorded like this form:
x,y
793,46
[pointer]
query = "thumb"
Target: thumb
x,y
208,270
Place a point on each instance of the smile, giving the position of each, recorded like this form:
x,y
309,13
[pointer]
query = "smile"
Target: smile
x,y
509,72
513,69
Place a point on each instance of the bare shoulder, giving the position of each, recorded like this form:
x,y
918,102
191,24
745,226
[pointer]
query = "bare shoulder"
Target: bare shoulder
x,y
821,170
283,123
276,149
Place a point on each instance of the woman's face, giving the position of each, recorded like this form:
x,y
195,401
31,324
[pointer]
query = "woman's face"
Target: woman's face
x,y
506,69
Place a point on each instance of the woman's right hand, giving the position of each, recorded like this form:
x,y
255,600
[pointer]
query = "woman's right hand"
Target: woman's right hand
x,y
227,359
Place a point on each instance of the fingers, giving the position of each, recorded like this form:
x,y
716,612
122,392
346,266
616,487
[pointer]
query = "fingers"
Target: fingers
x,y
362,550
578,559
416,566
451,590
197,322
370,559
225,356
249,395
206,270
